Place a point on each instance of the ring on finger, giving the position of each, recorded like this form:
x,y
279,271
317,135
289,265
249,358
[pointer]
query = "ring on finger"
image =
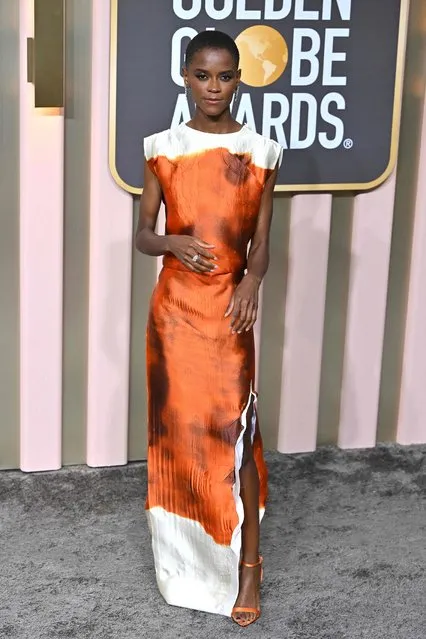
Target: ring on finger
x,y
196,257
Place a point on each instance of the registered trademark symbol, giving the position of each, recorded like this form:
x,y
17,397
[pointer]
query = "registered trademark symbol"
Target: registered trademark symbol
x,y
348,143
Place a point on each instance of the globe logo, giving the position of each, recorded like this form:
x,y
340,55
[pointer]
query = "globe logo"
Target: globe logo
x,y
263,54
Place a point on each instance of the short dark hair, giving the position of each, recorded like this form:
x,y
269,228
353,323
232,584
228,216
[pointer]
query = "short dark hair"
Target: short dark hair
x,y
211,40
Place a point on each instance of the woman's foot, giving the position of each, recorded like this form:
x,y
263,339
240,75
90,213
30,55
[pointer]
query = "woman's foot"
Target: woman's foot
x,y
249,594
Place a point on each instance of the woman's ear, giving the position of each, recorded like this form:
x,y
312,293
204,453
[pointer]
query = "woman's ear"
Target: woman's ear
x,y
185,76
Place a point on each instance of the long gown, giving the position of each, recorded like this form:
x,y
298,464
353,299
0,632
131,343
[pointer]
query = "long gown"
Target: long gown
x,y
200,377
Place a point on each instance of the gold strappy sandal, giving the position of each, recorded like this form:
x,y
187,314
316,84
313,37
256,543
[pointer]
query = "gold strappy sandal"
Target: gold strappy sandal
x,y
255,611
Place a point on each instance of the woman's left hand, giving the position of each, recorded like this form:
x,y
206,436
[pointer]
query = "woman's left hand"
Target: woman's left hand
x,y
243,304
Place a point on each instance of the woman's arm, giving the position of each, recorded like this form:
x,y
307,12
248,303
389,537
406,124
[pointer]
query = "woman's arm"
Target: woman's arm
x,y
258,257
244,302
147,241
184,247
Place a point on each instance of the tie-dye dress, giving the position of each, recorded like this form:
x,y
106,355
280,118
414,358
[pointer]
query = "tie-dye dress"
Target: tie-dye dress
x,y
200,376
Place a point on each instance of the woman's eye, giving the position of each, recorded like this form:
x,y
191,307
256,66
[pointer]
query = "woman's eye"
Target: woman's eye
x,y
226,78
201,76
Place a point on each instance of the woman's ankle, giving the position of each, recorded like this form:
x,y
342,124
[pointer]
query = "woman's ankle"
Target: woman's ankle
x,y
251,558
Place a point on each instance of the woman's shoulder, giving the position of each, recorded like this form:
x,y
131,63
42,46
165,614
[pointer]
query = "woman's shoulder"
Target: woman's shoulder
x,y
262,141
265,151
156,143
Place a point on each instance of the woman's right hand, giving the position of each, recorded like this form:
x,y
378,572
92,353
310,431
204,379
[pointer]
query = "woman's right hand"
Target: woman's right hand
x,y
185,247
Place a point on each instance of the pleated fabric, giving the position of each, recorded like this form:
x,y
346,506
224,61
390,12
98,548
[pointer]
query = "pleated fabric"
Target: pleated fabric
x,y
200,376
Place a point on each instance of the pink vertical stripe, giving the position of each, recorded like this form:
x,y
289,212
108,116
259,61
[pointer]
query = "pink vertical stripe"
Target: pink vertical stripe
x,y
304,322
371,242
41,265
110,274
368,284
412,409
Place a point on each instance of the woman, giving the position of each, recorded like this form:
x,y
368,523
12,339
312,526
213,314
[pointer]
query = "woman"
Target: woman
x,y
207,479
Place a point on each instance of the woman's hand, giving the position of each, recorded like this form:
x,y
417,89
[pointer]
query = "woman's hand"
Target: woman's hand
x,y
243,304
185,247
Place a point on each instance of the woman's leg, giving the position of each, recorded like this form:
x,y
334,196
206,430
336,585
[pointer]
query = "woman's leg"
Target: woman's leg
x,y
248,595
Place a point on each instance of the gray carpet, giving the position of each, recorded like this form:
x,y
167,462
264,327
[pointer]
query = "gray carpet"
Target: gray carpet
x,y
343,540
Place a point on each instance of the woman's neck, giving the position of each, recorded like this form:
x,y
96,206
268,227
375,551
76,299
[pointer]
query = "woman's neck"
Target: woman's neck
x,y
225,123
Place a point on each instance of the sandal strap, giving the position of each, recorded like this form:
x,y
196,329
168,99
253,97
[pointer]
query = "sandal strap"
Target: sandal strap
x,y
258,563
255,611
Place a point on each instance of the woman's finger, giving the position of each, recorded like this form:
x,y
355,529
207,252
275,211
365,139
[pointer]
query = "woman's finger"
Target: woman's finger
x,y
247,319
235,310
196,248
252,319
205,253
240,316
235,313
197,267
201,261
245,315
193,266
202,243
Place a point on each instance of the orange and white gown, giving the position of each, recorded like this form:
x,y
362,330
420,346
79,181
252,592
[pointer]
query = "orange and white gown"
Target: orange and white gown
x,y
200,375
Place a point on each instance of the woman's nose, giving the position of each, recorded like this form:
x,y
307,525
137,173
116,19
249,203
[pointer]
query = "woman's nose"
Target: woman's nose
x,y
214,86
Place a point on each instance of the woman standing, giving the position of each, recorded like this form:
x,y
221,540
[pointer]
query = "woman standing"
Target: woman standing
x,y
207,479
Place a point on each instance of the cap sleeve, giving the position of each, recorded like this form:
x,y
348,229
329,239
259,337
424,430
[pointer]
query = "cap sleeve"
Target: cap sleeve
x,y
150,151
275,154
149,147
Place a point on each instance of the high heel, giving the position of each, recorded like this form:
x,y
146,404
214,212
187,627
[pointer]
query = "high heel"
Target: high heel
x,y
254,611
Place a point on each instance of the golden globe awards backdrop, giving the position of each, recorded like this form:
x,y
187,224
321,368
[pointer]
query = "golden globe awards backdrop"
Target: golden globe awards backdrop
x,y
322,77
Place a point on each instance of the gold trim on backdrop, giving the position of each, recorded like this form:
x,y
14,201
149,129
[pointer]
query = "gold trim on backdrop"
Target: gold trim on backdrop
x,y
293,188
50,111
113,102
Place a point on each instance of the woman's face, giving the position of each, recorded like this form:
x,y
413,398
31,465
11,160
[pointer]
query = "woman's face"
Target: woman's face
x,y
212,77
